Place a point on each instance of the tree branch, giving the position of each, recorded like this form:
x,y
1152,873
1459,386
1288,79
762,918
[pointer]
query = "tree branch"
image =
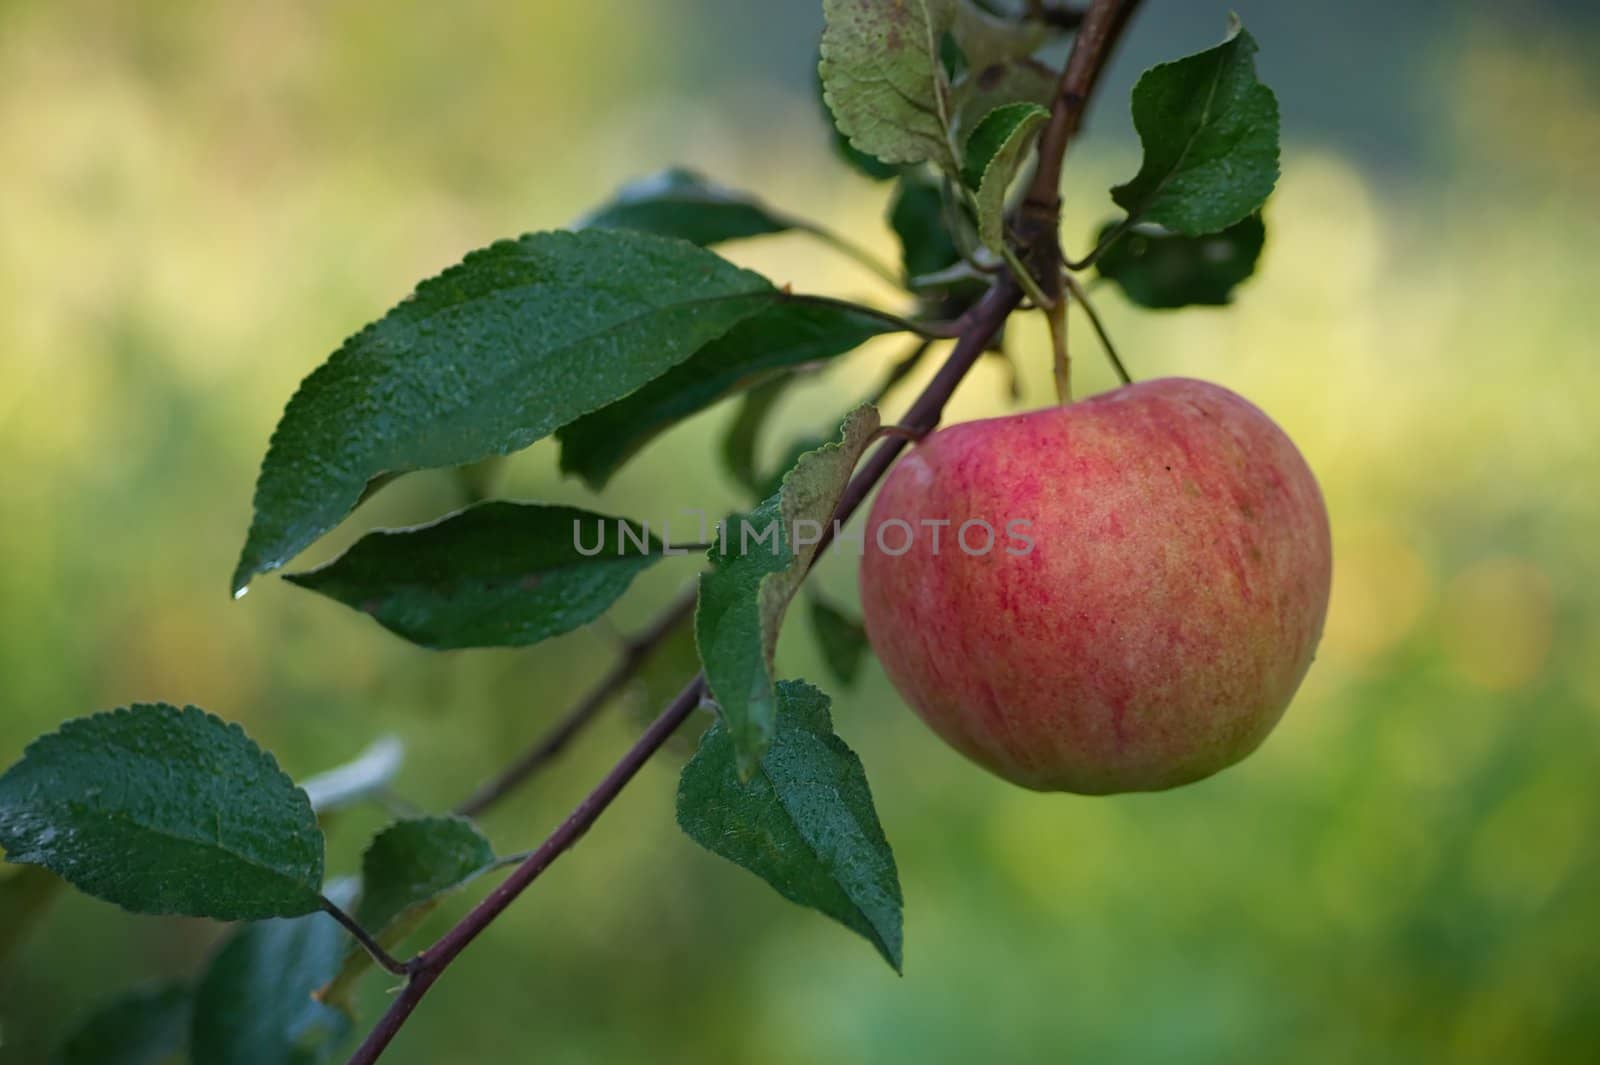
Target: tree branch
x,y
1103,24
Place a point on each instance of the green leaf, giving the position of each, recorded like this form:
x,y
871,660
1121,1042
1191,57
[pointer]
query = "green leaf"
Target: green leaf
x,y
359,779
1163,270
412,863
741,442
841,638
408,869
681,203
497,574
164,811
995,154
145,1028
255,1004
804,823
25,894
787,335
755,572
917,215
858,160
1210,136
883,80
519,339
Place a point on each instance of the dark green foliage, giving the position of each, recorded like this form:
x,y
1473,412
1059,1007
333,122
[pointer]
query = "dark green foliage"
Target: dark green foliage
x,y
164,811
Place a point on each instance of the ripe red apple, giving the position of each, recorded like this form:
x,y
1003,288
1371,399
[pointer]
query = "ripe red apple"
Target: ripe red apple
x,y
1166,612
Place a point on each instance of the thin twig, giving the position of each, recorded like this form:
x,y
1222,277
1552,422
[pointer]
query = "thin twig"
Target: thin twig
x,y
634,654
1104,245
1099,328
365,938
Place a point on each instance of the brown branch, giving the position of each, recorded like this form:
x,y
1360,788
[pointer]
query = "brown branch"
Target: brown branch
x,y
635,653
1102,25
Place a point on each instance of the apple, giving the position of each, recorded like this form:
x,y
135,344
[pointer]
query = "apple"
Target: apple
x,y
1119,594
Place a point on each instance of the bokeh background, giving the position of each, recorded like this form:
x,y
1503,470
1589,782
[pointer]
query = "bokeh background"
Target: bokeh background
x,y
198,201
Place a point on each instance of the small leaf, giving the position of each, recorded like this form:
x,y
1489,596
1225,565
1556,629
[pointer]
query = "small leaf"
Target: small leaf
x,y
842,639
741,442
497,574
995,154
254,1005
756,568
145,1028
785,336
412,863
369,773
164,811
519,339
917,215
1162,270
408,869
883,79
804,823
25,894
680,203
1210,136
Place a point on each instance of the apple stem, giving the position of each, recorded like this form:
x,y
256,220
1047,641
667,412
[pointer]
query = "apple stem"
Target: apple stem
x,y
1057,317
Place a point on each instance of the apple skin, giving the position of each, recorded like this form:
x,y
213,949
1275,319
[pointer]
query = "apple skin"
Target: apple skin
x,y
1169,608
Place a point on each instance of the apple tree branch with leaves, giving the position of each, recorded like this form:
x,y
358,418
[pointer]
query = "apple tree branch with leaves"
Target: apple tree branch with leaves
x,y
1157,625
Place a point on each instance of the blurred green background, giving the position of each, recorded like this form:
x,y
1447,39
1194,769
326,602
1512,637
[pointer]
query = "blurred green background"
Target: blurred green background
x,y
200,200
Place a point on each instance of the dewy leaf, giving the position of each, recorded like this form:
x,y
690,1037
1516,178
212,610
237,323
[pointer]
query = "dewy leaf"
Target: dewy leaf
x,y
995,153
497,574
842,639
804,823
918,217
757,565
680,203
367,774
164,811
519,339
883,80
145,1028
787,335
1210,136
741,442
254,1005
1163,270
408,868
